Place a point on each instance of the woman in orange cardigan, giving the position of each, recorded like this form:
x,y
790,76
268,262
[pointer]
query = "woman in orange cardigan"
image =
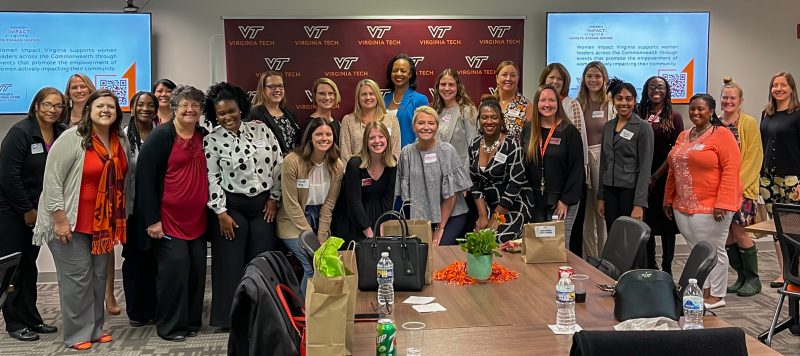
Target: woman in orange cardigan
x,y
703,189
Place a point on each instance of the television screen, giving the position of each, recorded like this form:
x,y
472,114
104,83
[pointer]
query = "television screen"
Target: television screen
x,y
39,49
634,47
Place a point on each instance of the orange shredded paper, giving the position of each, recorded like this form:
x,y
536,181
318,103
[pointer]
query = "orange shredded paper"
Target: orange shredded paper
x,y
456,273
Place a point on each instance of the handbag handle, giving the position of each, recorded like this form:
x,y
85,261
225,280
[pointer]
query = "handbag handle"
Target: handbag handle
x,y
382,218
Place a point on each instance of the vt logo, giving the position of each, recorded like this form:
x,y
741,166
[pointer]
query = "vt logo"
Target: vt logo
x,y
498,31
344,63
276,63
475,61
4,87
315,31
439,31
250,32
492,90
310,96
385,92
417,60
378,31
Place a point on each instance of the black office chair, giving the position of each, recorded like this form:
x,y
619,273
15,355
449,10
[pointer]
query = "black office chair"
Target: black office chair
x,y
701,261
309,243
624,247
8,265
706,342
787,225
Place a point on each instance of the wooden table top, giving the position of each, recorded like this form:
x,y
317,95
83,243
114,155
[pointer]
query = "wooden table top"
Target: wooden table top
x,y
766,227
512,316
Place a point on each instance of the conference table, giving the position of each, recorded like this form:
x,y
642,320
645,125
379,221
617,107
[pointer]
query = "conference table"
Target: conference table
x,y
511,317
766,227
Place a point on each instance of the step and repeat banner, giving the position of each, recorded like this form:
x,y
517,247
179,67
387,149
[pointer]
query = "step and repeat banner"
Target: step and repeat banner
x,y
348,50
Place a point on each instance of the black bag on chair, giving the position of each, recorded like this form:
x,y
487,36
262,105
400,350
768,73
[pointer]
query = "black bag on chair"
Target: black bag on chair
x,y
408,254
646,293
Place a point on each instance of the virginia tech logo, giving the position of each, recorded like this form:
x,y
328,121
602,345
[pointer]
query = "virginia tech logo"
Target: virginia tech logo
x,y
4,87
498,31
378,31
492,90
310,96
250,32
344,63
431,90
475,62
315,31
276,63
417,60
385,92
439,31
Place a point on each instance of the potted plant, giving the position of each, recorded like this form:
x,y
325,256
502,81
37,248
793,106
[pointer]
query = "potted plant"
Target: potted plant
x,y
480,247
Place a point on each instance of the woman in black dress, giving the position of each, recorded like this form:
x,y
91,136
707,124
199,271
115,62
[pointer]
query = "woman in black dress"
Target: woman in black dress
x,y
367,187
656,108
500,188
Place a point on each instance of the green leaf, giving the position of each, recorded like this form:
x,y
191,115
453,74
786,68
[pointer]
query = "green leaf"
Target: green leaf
x,y
480,243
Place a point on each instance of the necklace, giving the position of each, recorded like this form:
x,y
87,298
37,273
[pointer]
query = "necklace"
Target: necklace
x,y
396,103
492,148
696,134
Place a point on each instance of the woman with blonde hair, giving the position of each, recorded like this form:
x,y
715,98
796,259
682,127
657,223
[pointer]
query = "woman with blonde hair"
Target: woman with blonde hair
x,y
369,108
742,252
517,109
326,98
79,86
433,178
368,185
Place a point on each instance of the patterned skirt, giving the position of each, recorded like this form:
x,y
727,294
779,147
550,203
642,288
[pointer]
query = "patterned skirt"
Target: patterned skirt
x,y
779,189
746,215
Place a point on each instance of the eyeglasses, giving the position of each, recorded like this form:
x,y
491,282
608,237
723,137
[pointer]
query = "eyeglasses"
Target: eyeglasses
x,y
187,106
384,309
274,86
660,88
48,106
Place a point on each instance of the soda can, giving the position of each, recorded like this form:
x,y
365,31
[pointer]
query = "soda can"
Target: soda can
x,y
566,269
387,338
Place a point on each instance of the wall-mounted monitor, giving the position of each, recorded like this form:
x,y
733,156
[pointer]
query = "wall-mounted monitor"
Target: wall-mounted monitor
x,y
634,47
40,49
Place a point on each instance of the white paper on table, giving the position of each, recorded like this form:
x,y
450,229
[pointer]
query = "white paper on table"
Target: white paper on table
x,y
429,308
557,332
418,300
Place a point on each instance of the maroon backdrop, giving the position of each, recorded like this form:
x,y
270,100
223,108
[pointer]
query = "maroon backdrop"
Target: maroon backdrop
x,y
348,50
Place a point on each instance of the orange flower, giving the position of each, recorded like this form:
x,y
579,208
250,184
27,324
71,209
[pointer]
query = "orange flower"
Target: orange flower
x,y
500,218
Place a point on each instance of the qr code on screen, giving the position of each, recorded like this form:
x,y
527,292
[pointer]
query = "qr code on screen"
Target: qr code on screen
x,y
117,86
677,84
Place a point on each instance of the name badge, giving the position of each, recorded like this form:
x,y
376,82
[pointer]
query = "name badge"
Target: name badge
x,y
598,114
545,231
699,147
37,148
555,141
429,158
446,118
366,182
500,158
303,183
260,143
513,112
626,134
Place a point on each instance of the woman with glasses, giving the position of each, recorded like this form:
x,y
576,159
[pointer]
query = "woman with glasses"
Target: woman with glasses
x,y
667,124
23,154
369,108
269,107
517,109
326,98
403,99
172,192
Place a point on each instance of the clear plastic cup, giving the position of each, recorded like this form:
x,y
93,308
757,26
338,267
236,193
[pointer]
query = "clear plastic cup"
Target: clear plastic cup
x,y
580,281
413,332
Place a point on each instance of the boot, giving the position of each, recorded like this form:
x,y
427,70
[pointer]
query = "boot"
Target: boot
x,y
735,261
752,284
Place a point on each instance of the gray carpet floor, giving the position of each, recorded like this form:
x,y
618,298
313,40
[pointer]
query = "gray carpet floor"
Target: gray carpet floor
x,y
753,314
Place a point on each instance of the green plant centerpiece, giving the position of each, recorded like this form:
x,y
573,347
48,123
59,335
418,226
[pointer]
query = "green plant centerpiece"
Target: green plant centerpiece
x,y
480,247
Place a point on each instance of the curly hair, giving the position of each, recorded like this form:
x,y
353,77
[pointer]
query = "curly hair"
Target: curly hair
x,y
224,91
85,125
184,92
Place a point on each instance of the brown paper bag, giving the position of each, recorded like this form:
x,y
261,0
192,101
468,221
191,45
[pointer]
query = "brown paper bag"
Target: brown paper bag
x,y
349,259
419,228
543,242
330,305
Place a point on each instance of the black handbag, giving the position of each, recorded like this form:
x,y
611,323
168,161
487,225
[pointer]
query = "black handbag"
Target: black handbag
x,y
408,254
646,293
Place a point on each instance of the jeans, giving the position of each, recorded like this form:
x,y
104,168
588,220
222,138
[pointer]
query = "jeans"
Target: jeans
x,y
308,269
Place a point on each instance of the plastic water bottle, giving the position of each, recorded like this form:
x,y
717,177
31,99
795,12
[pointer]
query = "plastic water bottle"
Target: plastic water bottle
x,y
565,301
385,280
692,306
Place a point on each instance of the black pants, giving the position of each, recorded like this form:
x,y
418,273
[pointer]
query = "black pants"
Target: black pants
x,y
618,202
454,229
180,285
667,252
576,235
139,283
229,257
19,310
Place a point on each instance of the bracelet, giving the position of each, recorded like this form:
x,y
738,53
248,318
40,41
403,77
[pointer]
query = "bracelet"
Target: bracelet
x,y
438,227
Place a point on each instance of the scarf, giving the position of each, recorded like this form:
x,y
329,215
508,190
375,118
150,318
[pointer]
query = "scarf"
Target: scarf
x,y
108,225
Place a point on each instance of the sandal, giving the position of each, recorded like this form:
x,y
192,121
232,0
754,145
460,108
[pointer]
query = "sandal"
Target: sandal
x,y
83,345
106,337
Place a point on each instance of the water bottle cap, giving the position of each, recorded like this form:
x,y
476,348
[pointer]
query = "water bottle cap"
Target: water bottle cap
x,y
564,275
693,280
386,254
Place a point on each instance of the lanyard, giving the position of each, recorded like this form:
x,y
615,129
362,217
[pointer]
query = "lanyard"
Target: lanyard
x,y
543,147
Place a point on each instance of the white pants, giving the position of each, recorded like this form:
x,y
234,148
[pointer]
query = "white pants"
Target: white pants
x,y
594,227
703,227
